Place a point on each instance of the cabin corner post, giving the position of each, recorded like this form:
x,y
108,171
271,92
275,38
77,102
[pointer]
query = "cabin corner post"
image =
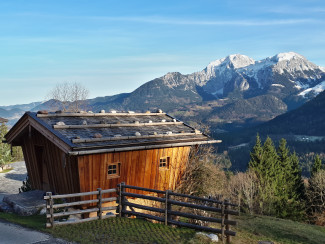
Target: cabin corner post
x,y
99,203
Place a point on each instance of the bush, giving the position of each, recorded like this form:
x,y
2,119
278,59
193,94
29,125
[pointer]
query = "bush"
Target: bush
x,y
5,152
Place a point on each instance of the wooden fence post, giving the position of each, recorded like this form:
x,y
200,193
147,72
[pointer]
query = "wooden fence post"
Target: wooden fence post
x,y
228,237
223,221
168,207
121,206
51,209
99,203
47,208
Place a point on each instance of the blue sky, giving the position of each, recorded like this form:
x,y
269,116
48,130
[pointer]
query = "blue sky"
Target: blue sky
x,y
115,46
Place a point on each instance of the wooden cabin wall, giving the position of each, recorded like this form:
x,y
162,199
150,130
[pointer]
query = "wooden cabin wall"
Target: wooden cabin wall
x,y
138,168
62,171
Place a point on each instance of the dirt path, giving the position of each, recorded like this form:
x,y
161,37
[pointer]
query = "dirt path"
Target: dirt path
x,y
15,234
10,182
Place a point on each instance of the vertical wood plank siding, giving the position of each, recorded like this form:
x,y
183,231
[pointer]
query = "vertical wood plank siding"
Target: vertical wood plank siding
x,y
138,168
62,170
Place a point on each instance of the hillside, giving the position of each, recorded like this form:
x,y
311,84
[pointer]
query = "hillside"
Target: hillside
x,y
309,119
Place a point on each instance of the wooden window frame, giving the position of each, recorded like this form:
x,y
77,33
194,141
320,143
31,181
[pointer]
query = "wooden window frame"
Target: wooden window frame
x,y
113,175
164,165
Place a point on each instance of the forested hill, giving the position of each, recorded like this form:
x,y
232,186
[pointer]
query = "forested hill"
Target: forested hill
x,y
309,119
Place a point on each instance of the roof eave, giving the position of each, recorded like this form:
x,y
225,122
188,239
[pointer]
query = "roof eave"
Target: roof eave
x,y
30,119
123,149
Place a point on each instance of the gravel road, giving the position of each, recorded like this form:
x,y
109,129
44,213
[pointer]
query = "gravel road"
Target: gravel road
x,y
10,182
15,234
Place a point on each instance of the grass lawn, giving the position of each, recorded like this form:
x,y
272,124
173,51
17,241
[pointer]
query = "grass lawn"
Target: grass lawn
x,y
250,229
113,230
35,222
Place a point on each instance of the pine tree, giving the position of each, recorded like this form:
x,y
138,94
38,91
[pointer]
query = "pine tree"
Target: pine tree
x,y
317,166
284,173
280,188
271,175
264,163
256,155
292,204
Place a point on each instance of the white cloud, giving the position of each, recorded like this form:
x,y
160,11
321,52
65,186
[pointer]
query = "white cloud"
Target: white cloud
x,y
184,21
175,21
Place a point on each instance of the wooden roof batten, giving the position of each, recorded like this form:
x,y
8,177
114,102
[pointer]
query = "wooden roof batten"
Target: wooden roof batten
x,y
94,114
135,148
85,140
114,125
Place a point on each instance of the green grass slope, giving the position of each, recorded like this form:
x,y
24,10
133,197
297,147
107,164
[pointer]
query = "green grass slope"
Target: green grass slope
x,y
250,229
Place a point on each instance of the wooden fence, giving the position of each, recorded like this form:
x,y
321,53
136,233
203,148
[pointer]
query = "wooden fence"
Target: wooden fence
x,y
165,213
222,208
51,206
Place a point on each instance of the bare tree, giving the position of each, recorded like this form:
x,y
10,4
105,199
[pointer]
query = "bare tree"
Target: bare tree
x,y
243,189
69,96
316,197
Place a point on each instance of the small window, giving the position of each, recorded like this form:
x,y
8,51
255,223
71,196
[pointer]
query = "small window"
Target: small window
x,y
113,170
164,163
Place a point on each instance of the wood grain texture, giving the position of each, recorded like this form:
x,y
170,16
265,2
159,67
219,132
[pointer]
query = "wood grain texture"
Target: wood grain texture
x,y
48,167
62,174
138,168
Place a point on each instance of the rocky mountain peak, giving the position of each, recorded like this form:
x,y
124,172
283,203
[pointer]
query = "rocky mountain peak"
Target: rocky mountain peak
x,y
239,61
288,56
235,61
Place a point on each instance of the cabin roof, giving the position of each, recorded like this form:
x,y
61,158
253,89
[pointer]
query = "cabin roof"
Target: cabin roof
x,y
87,133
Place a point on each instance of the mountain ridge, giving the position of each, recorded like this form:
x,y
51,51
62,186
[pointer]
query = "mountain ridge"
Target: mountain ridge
x,y
283,80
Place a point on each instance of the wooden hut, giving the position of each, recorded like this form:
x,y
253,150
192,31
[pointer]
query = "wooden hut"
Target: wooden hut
x,y
80,152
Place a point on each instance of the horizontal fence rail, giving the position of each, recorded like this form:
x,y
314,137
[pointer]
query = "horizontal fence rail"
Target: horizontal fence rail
x,y
51,207
221,208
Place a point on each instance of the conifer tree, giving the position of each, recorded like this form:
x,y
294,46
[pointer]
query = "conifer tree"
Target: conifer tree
x,y
264,163
283,187
291,187
271,175
280,187
256,155
317,166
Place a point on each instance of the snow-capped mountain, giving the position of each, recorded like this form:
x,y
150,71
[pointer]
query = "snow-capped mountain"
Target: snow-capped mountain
x,y
285,73
289,70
